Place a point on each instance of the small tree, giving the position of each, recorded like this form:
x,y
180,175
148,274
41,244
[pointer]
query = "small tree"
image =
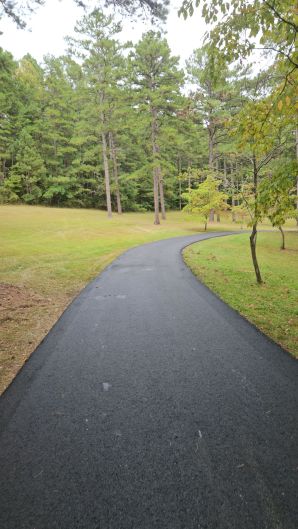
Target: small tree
x,y
206,197
277,198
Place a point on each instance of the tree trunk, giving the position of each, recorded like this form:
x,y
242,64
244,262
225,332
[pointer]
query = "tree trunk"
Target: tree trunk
x,y
282,247
225,173
115,171
156,198
296,136
205,224
233,195
253,236
107,173
218,217
253,245
105,158
210,128
161,194
155,152
180,198
179,172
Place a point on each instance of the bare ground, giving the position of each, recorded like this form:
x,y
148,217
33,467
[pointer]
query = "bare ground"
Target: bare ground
x,y
25,318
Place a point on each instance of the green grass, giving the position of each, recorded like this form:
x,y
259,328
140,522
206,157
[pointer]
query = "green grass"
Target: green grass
x,y
49,254
50,248
225,266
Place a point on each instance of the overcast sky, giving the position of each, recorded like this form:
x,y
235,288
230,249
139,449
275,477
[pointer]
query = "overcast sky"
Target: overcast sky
x,y
56,19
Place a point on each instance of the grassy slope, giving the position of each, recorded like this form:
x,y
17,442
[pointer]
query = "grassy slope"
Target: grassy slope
x,y
48,255
225,266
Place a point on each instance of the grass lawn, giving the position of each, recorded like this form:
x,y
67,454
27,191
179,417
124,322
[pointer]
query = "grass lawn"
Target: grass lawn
x,y
225,266
49,254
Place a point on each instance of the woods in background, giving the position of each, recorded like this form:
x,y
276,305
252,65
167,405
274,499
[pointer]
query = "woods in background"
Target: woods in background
x,y
120,126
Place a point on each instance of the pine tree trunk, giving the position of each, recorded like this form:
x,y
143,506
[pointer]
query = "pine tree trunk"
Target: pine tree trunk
x,y
179,172
161,194
211,148
211,161
107,174
225,173
156,197
233,190
282,246
180,198
155,166
115,172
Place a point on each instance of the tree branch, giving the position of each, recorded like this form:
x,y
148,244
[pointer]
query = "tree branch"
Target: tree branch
x,y
280,17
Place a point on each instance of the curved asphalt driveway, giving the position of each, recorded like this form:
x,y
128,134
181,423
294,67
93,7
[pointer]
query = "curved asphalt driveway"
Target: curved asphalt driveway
x,y
151,405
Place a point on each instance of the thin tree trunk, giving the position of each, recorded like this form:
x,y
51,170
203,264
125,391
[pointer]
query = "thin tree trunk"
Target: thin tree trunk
x,y
253,249
253,235
160,182
211,162
105,157
225,172
161,194
210,145
115,172
156,198
282,247
179,172
233,195
180,198
155,166
217,170
296,136
107,174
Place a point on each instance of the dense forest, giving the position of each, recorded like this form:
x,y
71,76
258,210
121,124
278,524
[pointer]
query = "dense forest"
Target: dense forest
x,y
123,127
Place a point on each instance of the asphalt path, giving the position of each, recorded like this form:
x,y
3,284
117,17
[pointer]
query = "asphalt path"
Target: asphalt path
x,y
151,405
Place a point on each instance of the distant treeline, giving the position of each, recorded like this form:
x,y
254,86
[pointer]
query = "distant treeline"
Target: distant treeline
x,y
116,126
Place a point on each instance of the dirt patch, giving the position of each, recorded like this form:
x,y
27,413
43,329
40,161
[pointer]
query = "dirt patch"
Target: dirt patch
x,y
25,318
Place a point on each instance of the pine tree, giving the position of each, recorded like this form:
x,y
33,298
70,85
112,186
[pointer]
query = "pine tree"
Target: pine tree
x,y
157,81
27,176
103,67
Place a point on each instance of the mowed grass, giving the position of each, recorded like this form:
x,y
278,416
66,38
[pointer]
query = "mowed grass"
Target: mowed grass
x,y
224,265
49,254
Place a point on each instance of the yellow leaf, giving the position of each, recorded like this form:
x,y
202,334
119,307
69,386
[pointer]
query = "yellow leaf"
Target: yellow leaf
x,y
279,105
288,101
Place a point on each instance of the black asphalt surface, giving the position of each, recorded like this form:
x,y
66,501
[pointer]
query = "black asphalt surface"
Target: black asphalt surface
x,y
151,405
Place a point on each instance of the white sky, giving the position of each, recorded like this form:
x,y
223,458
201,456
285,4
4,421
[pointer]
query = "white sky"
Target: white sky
x,y
56,19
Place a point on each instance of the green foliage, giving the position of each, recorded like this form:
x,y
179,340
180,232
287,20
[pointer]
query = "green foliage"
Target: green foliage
x,y
53,117
278,194
237,24
28,173
205,198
